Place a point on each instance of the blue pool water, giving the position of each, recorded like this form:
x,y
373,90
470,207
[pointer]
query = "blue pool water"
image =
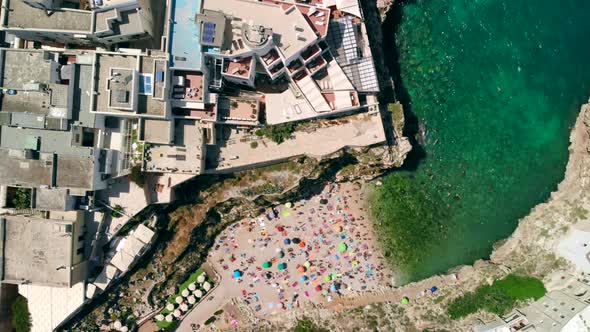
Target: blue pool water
x,y
185,46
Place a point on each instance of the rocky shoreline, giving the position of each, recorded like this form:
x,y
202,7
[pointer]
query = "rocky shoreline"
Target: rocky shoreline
x,y
530,250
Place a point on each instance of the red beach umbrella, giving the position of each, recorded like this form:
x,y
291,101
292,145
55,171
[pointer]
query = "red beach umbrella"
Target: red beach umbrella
x,y
318,288
280,228
302,244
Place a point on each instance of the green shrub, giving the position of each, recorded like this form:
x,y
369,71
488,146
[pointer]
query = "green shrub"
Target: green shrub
x,y
254,145
21,318
278,133
263,189
21,198
306,325
117,211
137,175
499,298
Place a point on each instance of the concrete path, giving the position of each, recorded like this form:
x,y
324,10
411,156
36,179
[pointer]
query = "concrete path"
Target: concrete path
x,y
211,303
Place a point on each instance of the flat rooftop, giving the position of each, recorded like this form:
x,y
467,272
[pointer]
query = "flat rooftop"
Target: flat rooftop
x,y
126,22
291,31
121,85
20,69
21,15
157,131
104,64
185,156
58,164
39,251
25,172
185,43
53,141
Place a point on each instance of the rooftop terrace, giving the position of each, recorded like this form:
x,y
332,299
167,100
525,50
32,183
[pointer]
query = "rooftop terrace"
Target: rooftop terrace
x,y
185,156
240,68
291,31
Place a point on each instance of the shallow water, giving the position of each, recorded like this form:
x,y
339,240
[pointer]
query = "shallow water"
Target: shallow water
x,y
498,85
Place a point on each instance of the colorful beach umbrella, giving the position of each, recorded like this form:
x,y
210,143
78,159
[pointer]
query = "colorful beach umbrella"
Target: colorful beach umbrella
x,y
318,288
342,247
287,241
282,266
302,244
266,265
295,240
328,278
405,300
237,274
301,269
303,279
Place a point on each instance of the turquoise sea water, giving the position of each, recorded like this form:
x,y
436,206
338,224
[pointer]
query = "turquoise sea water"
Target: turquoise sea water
x,y
498,85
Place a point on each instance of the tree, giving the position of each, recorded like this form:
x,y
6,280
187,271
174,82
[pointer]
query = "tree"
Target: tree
x,y
21,198
278,133
117,211
21,318
137,175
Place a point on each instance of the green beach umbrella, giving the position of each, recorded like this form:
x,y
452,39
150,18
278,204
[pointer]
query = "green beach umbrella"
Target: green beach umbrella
x,y
286,213
282,266
328,278
405,300
266,264
342,247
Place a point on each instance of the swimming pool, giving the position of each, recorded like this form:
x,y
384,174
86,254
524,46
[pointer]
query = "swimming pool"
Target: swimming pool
x,y
185,45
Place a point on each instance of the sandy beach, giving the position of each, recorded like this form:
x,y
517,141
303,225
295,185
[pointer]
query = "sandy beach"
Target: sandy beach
x,y
310,251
